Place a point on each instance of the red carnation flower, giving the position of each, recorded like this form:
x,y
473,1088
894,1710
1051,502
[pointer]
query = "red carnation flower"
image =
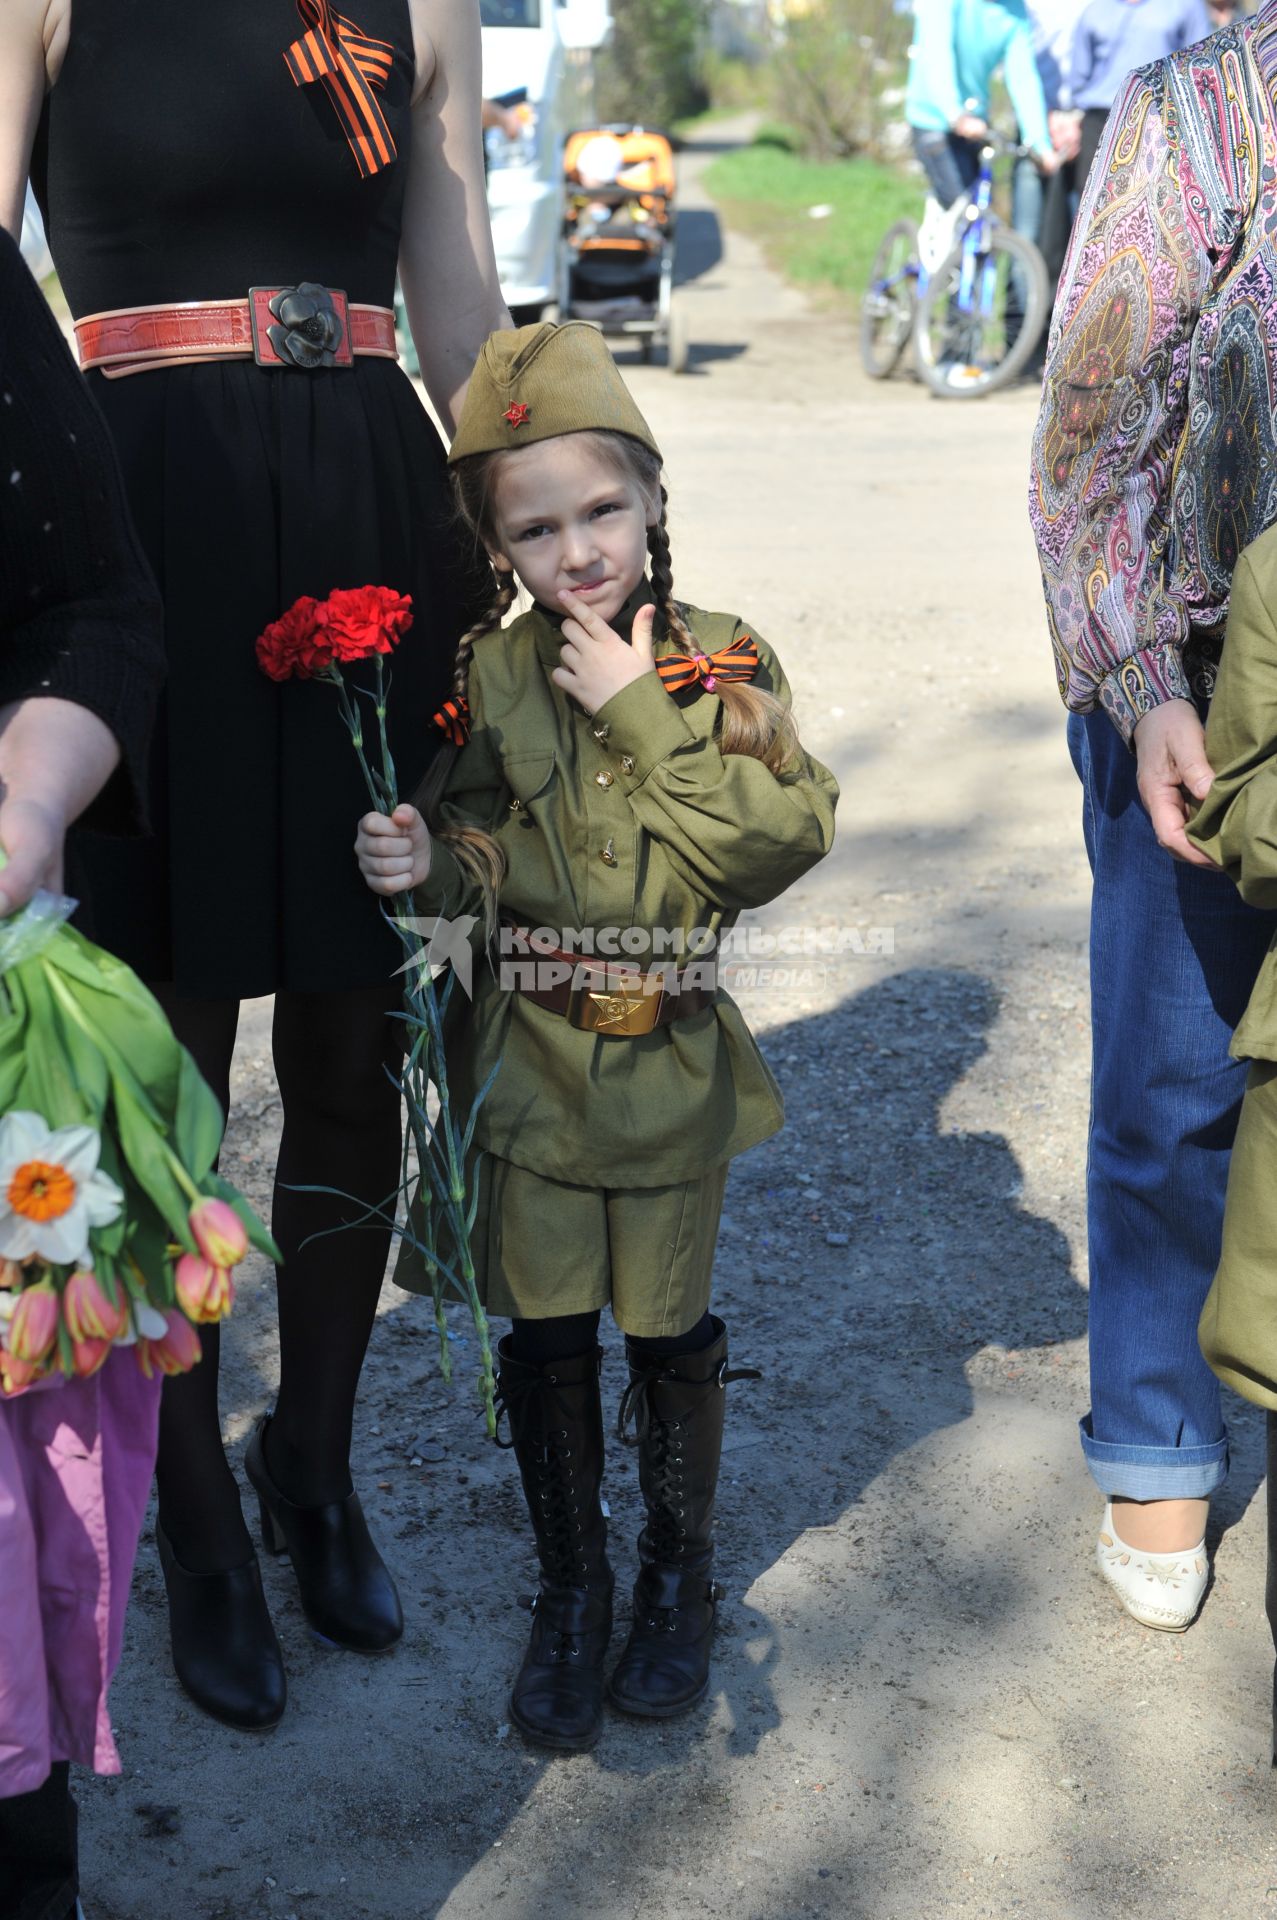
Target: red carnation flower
x,y
294,646
362,621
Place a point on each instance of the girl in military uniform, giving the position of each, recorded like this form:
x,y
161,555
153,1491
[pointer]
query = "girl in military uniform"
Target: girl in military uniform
x,y
625,767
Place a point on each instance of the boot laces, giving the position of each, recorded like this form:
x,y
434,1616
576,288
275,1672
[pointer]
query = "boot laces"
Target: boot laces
x,y
638,1402
558,1512
665,1533
559,1645
665,1529
558,1516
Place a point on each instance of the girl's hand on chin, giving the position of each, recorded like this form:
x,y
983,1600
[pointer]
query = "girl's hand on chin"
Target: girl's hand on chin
x,y
393,850
595,662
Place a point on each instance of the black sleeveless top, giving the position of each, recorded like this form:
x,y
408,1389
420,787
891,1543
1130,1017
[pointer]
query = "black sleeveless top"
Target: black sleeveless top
x,y
177,160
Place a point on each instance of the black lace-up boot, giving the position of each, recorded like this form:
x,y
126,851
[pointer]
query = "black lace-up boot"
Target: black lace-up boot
x,y
556,1430
677,1406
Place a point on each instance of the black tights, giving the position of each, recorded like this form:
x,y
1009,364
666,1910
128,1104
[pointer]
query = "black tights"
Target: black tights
x,y
39,1871
538,1343
341,1129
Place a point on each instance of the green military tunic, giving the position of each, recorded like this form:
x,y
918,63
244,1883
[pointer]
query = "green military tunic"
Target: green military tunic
x,y
1236,825
630,819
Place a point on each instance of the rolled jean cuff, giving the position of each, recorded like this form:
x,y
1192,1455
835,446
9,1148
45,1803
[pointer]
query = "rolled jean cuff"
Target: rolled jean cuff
x,y
1154,1473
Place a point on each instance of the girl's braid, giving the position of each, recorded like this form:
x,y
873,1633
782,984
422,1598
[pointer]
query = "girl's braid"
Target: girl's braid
x,y
658,547
494,617
430,793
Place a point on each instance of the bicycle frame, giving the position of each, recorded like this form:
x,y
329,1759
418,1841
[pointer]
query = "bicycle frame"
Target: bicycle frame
x,y
977,215
978,219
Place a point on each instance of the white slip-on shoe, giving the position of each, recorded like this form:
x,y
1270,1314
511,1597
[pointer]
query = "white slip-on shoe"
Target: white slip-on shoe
x,y
1159,1590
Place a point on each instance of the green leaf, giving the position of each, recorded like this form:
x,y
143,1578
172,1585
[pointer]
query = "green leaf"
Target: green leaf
x,y
145,1152
148,1245
47,1084
198,1123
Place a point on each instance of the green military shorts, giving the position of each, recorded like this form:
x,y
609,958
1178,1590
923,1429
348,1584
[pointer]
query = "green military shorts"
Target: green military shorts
x,y
543,1248
1238,1328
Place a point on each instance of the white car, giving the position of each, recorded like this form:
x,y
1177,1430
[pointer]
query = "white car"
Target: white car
x,y
541,47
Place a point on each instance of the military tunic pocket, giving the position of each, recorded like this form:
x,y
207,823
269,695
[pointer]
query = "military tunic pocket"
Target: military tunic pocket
x,y
528,776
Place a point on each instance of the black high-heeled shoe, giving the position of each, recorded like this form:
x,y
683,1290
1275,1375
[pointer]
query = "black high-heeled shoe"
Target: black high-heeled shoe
x,y
225,1652
346,1590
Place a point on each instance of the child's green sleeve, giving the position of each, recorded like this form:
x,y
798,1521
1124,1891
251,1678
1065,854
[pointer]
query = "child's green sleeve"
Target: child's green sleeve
x,y
1236,824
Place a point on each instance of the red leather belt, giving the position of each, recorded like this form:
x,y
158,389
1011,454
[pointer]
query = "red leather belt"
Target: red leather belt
x,y
307,327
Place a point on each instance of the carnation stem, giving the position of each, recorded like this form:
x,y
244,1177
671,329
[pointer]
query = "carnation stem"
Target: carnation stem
x,y
441,1180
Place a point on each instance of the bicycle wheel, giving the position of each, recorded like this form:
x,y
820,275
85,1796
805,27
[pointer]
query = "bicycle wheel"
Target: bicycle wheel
x,y
887,310
982,314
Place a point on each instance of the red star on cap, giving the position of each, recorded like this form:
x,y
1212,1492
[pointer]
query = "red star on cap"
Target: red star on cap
x,y
517,415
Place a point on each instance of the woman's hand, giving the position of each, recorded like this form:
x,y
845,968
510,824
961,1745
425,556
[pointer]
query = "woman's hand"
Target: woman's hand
x,y
1170,749
54,757
1065,129
595,662
32,835
394,851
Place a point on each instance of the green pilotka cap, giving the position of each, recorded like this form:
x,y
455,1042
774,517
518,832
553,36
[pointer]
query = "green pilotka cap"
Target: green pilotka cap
x,y
535,383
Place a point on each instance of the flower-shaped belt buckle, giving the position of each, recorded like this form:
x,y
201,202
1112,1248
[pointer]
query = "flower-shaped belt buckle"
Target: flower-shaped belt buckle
x,y
304,326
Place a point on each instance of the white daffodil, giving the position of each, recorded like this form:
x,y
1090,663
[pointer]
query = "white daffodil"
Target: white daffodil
x,y
51,1192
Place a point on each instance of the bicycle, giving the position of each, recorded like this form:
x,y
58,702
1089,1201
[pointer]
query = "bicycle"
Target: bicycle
x,y
973,309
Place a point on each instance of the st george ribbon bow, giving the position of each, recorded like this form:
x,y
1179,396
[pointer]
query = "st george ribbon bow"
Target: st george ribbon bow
x,y
453,720
349,66
737,662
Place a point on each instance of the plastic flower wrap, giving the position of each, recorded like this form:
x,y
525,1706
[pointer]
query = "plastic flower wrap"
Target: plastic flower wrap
x,y
312,641
108,1136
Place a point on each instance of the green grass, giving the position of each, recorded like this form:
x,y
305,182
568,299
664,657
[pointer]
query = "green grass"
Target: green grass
x,y
766,192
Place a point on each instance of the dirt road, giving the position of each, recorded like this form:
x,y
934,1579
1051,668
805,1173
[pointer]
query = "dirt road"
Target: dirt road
x,y
925,1703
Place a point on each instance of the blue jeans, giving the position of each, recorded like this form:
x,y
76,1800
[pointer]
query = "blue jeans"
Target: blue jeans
x,y
952,166
1174,955
1028,198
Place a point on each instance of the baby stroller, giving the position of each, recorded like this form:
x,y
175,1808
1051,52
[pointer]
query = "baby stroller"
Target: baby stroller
x,y
618,254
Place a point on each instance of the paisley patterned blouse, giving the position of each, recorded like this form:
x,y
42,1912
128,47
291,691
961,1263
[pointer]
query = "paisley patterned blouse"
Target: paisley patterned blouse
x,y
1155,455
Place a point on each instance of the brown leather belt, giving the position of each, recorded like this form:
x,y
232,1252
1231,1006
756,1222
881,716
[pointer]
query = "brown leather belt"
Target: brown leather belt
x,y
308,327
607,997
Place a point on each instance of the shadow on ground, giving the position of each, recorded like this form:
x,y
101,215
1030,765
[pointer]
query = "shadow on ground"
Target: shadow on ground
x,y
864,1355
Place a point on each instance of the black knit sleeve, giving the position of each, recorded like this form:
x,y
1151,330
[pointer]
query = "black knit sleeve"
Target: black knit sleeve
x,y
80,615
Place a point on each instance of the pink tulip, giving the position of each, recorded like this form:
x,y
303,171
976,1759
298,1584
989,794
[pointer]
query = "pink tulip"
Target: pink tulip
x,y
88,1312
205,1293
87,1356
177,1352
17,1375
34,1326
219,1233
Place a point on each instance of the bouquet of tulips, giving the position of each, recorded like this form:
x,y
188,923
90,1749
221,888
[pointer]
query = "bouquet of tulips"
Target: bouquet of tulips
x,y
114,1228
313,641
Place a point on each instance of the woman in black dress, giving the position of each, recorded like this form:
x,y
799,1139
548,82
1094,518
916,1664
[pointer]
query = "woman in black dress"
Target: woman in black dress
x,y
183,154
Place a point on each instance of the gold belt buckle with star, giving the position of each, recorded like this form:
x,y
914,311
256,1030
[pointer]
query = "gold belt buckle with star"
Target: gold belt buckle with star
x,y
621,1004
